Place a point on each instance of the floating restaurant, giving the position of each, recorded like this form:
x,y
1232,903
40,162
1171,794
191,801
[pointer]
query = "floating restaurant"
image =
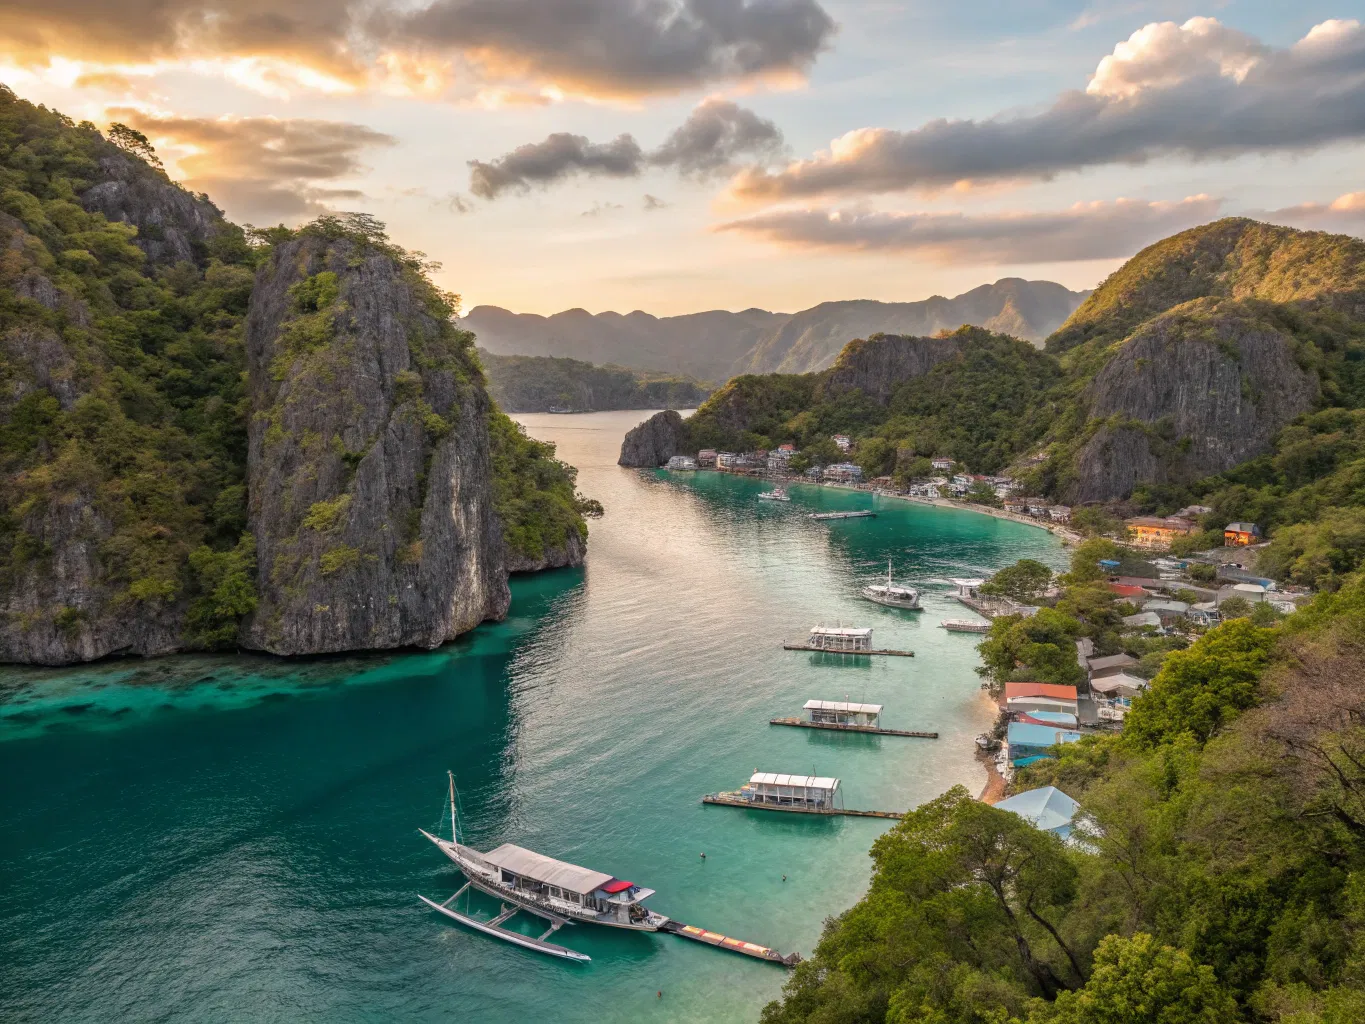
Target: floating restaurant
x,y
842,712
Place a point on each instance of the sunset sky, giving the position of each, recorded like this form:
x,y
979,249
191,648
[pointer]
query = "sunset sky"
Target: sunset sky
x,y
679,155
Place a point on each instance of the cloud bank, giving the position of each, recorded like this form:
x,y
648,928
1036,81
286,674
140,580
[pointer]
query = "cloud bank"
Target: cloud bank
x,y
263,169
1086,231
712,139
615,48
1199,91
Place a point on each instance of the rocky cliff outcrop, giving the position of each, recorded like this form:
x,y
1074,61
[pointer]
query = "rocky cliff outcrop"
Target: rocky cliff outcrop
x,y
570,552
876,365
654,441
371,493
173,224
1190,394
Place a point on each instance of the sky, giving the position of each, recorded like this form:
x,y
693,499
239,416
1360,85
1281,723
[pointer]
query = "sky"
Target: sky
x,y
682,155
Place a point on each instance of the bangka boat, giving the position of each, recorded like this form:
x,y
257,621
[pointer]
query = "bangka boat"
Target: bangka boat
x,y
560,892
776,494
893,595
965,626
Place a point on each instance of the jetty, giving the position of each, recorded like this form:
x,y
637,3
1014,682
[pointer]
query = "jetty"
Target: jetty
x,y
826,516
753,949
844,716
795,794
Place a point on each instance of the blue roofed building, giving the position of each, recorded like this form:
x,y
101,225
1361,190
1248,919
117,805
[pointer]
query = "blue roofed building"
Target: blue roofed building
x,y
1047,809
1029,742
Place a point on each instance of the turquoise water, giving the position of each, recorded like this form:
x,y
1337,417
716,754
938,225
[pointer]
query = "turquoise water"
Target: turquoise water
x,y
228,838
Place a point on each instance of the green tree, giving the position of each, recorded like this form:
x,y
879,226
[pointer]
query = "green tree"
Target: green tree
x,y
1025,581
1203,687
1085,560
1043,643
1235,608
1140,981
982,493
130,140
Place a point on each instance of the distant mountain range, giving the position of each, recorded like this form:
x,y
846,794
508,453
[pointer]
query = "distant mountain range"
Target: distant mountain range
x,y
718,344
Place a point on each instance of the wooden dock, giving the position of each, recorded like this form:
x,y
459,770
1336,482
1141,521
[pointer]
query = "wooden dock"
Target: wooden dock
x,y
856,654
873,730
753,949
833,812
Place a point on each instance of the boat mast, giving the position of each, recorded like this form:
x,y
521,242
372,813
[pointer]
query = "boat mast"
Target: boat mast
x,y
888,571
454,831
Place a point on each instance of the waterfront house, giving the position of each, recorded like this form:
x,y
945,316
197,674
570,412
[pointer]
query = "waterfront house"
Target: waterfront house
x,y
843,441
841,639
844,472
680,462
1157,532
780,460
1047,809
1060,513
1236,535
706,458
805,792
726,460
1016,505
1029,698
1038,508
842,712
1028,742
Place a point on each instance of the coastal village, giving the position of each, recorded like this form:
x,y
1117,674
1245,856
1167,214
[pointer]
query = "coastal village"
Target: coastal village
x,y
1166,602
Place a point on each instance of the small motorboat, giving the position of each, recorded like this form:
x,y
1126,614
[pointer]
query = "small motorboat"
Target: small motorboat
x,y
776,494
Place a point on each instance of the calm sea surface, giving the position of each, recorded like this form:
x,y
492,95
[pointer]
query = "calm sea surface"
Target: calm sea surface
x,y
233,838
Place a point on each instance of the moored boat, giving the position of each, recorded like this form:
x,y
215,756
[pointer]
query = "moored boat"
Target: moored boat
x,y
965,626
776,494
893,595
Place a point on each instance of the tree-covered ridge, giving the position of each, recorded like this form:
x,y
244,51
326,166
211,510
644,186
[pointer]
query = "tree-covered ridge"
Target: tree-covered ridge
x,y
1220,876
546,383
124,403
124,412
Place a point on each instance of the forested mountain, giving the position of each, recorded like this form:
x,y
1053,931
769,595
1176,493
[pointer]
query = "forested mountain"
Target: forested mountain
x,y
1188,362
188,457
546,383
718,345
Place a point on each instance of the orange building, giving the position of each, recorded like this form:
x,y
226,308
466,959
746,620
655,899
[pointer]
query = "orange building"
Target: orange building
x,y
1236,535
1156,532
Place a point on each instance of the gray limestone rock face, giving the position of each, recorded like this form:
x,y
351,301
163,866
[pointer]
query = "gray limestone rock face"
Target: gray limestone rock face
x,y
654,441
571,553
173,224
878,364
369,470
1190,394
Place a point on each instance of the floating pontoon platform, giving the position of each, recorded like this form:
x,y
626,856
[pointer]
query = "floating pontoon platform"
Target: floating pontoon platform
x,y
691,931
495,929
869,729
857,654
724,801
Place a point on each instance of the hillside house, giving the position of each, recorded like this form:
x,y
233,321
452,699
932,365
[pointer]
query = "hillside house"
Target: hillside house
x,y
1156,532
1237,535
706,458
942,463
1060,513
844,473
843,441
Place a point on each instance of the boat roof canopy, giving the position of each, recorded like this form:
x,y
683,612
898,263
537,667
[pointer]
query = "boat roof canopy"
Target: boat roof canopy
x,y
529,864
800,781
841,631
842,705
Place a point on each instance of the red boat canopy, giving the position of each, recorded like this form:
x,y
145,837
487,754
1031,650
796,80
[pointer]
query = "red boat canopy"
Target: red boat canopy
x,y
616,885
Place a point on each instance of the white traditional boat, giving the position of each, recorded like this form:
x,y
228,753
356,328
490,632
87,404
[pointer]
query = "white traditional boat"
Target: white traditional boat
x,y
893,595
555,890
776,494
965,626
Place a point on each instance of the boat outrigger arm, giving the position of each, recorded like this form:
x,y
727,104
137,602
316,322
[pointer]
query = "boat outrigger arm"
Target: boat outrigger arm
x,y
495,926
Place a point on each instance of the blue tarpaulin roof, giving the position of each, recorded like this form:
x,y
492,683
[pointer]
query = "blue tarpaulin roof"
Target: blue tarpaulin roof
x,y
1048,809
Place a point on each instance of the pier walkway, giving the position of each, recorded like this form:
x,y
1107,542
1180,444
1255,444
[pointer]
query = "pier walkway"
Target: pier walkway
x,y
856,654
831,812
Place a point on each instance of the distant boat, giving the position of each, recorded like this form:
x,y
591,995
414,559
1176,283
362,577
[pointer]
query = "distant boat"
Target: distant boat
x,y
776,494
843,515
965,626
893,595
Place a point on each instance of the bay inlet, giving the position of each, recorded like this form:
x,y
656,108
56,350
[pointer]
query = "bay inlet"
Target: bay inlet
x,y
229,837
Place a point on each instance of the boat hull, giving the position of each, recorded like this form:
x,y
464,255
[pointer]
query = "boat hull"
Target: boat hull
x,y
484,883
904,605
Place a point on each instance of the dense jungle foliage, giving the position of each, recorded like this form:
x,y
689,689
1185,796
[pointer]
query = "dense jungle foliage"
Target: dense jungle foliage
x,y
1219,872
547,383
123,385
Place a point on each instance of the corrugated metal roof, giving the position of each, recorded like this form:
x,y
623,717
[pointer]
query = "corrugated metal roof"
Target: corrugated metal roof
x,y
842,705
840,631
1118,681
541,868
1024,734
1112,661
1013,690
1048,808
806,781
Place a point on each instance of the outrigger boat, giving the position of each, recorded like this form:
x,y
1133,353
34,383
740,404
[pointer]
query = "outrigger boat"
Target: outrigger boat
x,y
776,494
560,892
893,595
